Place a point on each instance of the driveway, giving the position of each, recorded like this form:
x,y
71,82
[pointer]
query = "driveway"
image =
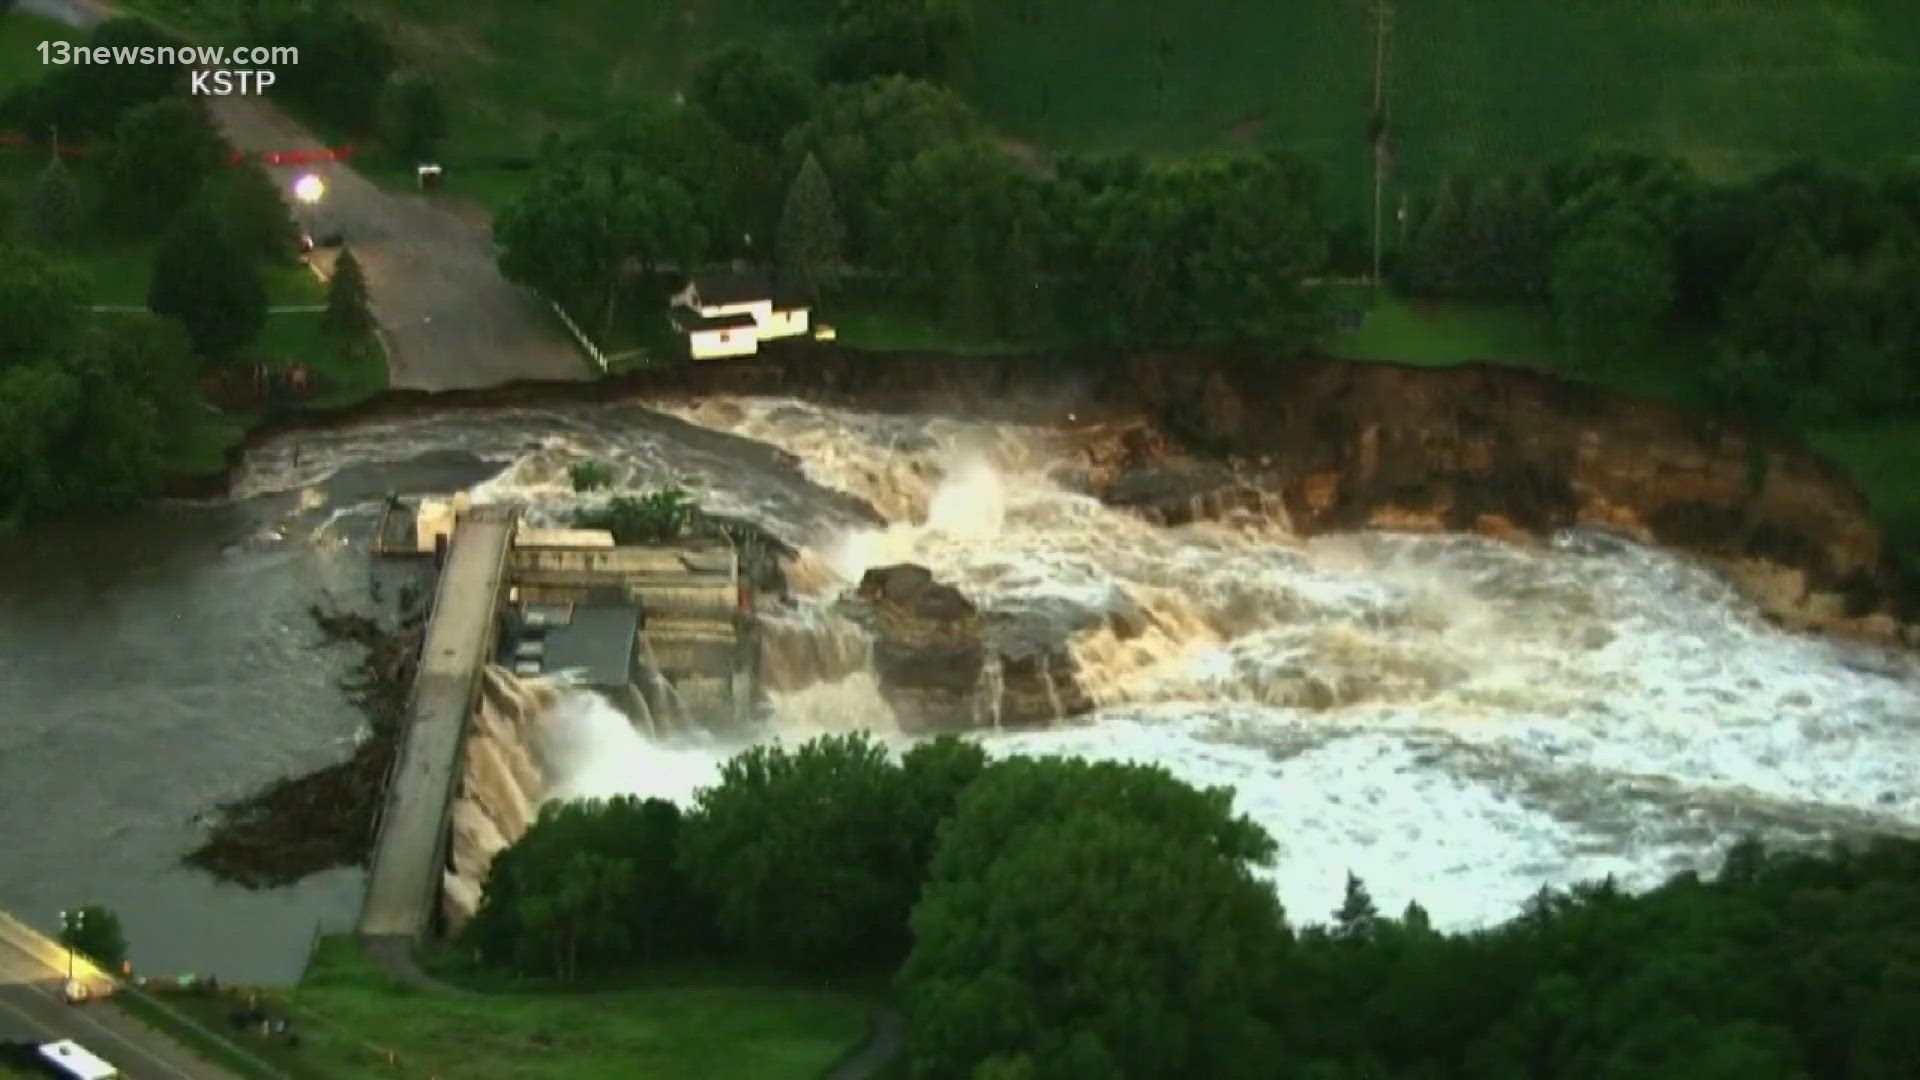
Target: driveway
x,y
449,319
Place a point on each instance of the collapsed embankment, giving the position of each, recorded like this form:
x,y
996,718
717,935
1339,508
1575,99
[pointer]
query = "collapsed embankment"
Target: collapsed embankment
x,y
1346,445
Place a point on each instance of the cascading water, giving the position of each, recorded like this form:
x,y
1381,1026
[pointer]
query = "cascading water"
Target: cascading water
x,y
1457,720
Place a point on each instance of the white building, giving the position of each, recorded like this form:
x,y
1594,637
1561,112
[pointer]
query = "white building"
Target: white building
x,y
730,312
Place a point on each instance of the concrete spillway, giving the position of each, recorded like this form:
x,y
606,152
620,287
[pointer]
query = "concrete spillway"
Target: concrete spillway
x,y
403,889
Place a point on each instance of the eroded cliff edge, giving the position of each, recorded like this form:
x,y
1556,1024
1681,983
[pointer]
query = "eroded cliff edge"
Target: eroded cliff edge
x,y
1346,445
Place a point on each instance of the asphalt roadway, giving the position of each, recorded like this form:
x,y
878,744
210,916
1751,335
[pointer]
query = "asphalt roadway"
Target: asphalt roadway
x,y
447,316
32,1009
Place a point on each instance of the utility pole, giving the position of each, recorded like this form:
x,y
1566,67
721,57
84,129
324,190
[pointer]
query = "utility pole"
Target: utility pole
x,y
1382,24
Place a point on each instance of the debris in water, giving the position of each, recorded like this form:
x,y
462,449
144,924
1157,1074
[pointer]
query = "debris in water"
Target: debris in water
x,y
301,825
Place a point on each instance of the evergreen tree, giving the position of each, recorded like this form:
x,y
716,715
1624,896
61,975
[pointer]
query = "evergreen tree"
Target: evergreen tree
x,y
200,278
348,312
1434,257
1356,917
53,204
812,238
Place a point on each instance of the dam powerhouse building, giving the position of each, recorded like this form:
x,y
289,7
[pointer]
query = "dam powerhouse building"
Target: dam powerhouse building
x,y
665,631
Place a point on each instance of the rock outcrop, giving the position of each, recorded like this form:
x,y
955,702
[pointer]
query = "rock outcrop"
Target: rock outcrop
x,y
928,654
1509,452
943,665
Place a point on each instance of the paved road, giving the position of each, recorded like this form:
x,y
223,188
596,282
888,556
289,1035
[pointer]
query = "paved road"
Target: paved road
x,y
31,1009
450,320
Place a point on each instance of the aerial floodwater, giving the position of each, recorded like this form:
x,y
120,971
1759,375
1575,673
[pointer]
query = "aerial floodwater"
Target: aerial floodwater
x,y
1456,720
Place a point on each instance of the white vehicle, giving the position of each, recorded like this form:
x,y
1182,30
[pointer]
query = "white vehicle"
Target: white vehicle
x,y
76,1061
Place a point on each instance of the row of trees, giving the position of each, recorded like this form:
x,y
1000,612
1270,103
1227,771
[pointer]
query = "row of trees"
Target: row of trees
x,y
1054,917
897,180
1805,276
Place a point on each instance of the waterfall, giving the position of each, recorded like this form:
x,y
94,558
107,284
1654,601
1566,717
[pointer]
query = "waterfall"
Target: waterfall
x,y
1460,720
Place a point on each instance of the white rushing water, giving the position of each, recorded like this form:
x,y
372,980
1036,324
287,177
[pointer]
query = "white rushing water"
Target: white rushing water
x,y
1457,720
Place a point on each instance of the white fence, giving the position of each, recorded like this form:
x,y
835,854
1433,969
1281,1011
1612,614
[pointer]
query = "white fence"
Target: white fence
x,y
579,335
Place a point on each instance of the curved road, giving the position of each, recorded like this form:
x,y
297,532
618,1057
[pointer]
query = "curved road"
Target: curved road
x,y
448,317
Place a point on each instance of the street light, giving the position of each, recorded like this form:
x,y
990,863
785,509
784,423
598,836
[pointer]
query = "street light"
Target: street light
x,y
71,923
309,190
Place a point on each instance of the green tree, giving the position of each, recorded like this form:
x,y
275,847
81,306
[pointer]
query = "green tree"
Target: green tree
x,y
254,215
344,65
162,154
83,100
1435,260
42,304
1093,920
1612,281
37,401
138,394
215,291
860,133
95,932
804,856
583,227
812,239
920,39
349,313
413,119
948,215
590,886
1357,917
53,204
753,97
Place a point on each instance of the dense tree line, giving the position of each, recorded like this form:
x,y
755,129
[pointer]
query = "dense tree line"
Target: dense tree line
x,y
896,179
1805,276
93,406
88,411
1054,917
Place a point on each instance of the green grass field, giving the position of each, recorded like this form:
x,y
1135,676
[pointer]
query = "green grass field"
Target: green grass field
x,y
351,1016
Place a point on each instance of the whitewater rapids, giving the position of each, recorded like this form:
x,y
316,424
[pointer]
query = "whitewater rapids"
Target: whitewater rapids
x,y
1457,720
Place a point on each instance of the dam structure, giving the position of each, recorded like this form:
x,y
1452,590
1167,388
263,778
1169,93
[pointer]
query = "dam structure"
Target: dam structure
x,y
663,630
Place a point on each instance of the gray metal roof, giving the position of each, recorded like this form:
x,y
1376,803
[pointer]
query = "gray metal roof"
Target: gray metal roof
x,y
599,641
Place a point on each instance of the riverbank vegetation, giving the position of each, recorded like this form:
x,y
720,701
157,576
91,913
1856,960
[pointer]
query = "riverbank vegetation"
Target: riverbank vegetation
x,y
1053,917
354,1020
117,195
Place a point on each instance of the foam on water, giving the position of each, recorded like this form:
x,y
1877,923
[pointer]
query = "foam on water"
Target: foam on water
x,y
1457,720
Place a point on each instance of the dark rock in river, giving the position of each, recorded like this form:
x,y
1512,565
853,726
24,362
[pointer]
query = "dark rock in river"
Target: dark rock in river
x,y
942,666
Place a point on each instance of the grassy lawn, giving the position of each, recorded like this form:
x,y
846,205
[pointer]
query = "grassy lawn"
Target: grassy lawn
x,y
350,1016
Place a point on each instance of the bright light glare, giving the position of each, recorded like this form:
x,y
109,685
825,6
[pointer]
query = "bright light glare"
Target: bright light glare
x,y
309,188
